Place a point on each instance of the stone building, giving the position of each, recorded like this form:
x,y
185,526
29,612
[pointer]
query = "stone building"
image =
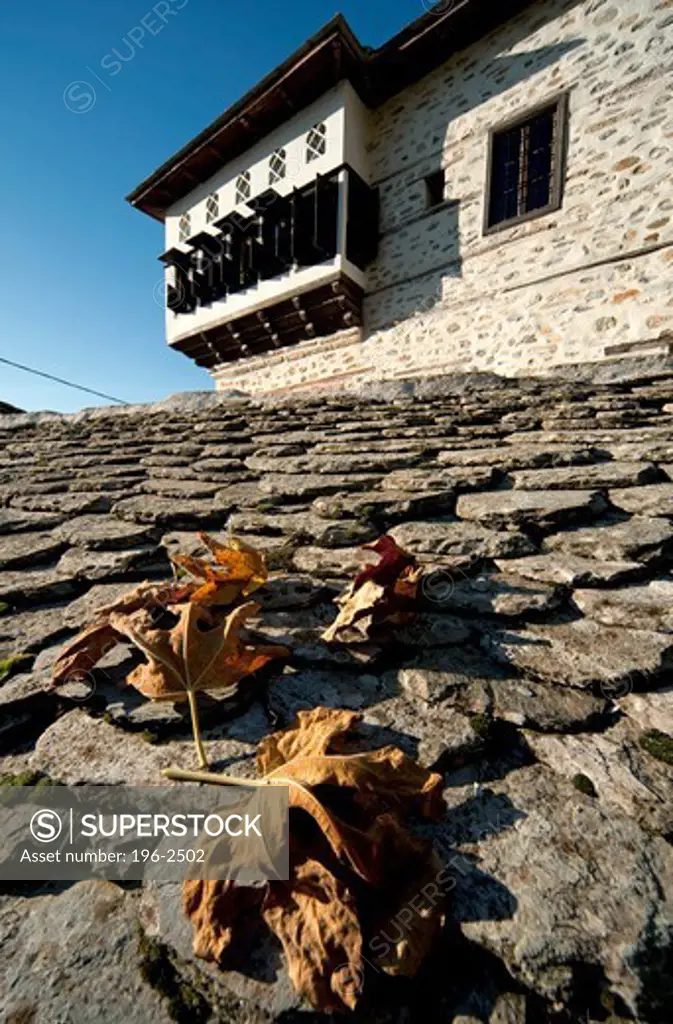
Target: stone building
x,y
487,190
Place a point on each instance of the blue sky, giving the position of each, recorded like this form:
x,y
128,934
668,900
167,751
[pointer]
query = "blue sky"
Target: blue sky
x,y
79,264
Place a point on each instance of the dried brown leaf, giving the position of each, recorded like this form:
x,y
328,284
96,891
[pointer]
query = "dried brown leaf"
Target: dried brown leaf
x,y
219,912
187,658
345,869
82,653
315,917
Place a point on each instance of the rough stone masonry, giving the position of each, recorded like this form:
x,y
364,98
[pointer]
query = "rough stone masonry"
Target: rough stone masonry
x,y
537,677
589,282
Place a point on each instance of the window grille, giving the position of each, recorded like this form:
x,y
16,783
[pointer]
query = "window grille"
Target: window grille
x,y
525,167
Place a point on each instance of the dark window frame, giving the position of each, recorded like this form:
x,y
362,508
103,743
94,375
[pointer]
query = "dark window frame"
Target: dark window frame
x,y
559,153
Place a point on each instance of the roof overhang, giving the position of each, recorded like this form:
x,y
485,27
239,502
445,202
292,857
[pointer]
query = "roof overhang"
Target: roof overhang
x,y
328,57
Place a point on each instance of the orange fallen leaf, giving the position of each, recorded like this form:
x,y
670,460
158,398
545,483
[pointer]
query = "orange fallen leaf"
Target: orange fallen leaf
x,y
187,659
243,571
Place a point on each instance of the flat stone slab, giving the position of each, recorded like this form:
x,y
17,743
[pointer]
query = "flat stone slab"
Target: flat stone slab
x,y
21,550
296,690
583,653
389,446
14,520
334,463
79,749
431,677
437,736
34,585
241,495
31,630
103,533
603,474
305,526
83,564
500,594
332,561
653,451
179,488
639,540
385,504
544,510
459,478
646,607
653,500
511,457
442,537
305,486
183,513
621,773
51,947
542,706
570,570
545,891
64,504
650,710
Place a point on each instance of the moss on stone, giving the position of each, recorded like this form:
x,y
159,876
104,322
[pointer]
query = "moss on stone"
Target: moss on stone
x,y
3,607
584,784
482,726
9,665
28,778
281,559
185,1005
658,745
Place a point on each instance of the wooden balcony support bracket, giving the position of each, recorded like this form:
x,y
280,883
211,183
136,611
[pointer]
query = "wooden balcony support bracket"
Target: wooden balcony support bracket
x,y
319,311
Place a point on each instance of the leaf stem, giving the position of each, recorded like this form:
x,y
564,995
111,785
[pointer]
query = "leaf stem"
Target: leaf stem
x,y
194,712
181,775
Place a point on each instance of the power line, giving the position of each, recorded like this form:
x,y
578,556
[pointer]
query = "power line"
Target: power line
x,y
60,380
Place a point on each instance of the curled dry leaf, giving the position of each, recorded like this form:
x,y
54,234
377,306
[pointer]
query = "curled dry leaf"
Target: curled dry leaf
x,y
316,920
351,859
382,595
239,571
82,653
189,658
203,651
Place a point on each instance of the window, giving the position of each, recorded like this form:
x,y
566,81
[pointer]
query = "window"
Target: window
x,y
525,172
243,188
212,208
434,189
184,227
316,142
277,166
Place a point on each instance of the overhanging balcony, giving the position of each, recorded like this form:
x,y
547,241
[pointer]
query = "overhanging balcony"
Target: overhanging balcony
x,y
290,269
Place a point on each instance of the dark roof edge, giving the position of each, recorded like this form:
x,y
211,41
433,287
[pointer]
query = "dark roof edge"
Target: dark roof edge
x,y
336,27
334,53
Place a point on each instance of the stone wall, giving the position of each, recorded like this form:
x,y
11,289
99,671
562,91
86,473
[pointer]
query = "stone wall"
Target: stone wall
x,y
317,361
588,282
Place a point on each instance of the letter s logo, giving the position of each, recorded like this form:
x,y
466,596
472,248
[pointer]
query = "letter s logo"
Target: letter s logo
x,y
46,826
